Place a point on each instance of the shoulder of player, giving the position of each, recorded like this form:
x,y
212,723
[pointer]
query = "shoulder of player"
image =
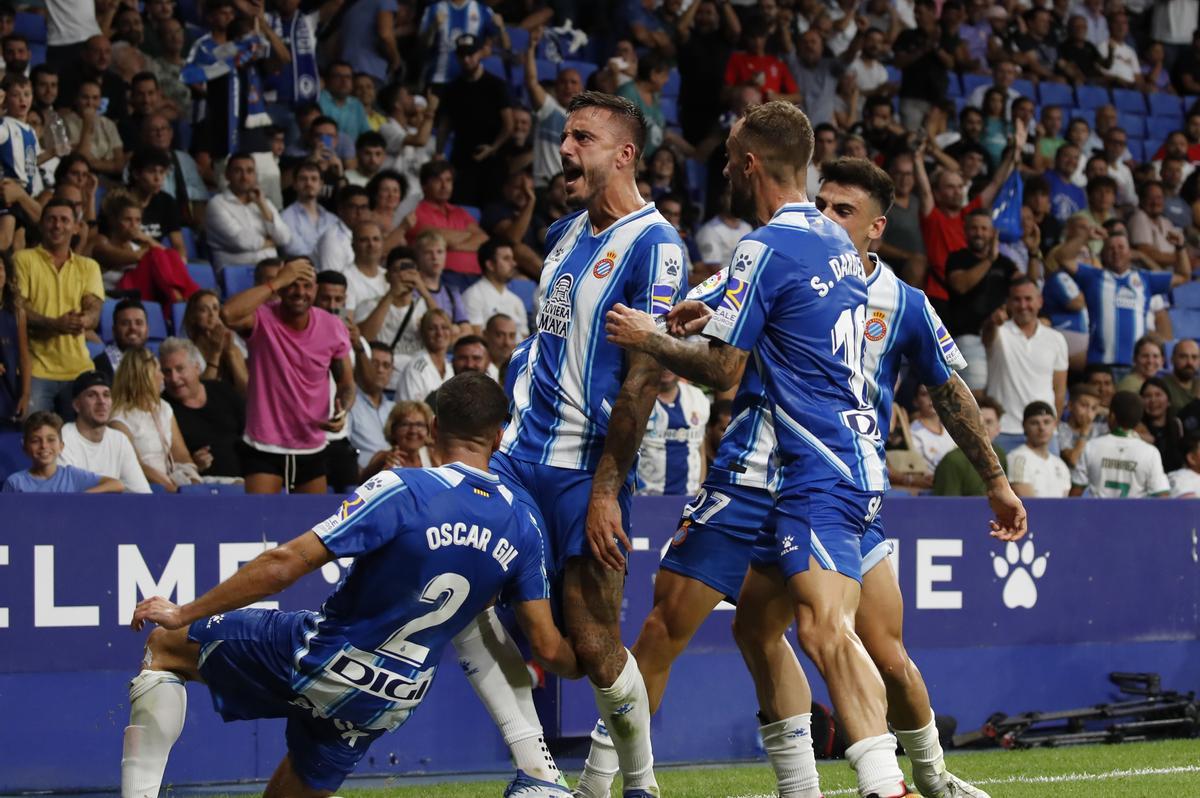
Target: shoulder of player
x,y
556,229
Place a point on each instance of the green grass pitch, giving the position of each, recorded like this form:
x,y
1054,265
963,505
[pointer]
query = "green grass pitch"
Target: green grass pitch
x,y
1133,770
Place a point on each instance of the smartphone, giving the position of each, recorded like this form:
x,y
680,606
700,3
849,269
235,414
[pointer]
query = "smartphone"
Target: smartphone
x,y
405,265
327,141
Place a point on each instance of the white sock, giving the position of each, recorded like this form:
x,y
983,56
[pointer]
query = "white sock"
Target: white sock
x,y
625,709
924,749
874,760
601,766
789,747
157,705
493,664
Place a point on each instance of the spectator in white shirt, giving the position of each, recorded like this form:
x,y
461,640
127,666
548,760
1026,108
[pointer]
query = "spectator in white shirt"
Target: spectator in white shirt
x,y
305,217
500,334
429,368
369,413
1081,424
88,443
370,149
1150,231
718,237
1121,465
366,282
243,227
1124,70
335,247
490,294
1032,469
869,72
1027,361
1003,75
1185,482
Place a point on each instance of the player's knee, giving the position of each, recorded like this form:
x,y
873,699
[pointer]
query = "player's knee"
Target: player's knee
x,y
749,633
593,647
660,635
166,649
823,634
891,660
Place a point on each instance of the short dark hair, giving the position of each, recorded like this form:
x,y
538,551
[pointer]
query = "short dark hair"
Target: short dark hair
x,y
626,112
967,111
387,174
39,419
1021,280
399,253
240,155
324,120
339,63
1035,186
42,69
59,202
1127,409
780,135
379,346
1149,340
720,407
13,79
468,340
331,277
146,157
15,37
1191,443
1145,187
370,138
144,76
487,250
470,406
263,265
1096,368
497,317
1101,182
861,173
309,166
128,304
349,192
432,169
987,401
1038,408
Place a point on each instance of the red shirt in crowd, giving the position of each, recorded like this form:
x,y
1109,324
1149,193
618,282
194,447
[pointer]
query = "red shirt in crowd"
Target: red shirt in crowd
x,y
943,234
765,71
447,217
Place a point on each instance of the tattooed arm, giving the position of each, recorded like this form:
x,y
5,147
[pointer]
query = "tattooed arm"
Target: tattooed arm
x,y
957,409
626,425
711,363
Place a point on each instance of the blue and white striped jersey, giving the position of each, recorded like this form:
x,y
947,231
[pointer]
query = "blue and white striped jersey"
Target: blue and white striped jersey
x,y
796,294
471,17
19,150
433,547
900,324
672,453
564,385
1117,307
1060,289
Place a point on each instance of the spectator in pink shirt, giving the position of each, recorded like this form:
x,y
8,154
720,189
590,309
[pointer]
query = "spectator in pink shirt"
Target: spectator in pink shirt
x,y
294,347
462,234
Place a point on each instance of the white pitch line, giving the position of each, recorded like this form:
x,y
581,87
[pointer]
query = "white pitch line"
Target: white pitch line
x,y
1068,777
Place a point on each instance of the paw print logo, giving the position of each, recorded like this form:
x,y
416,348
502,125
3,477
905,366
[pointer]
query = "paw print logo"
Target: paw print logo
x,y
789,544
1020,567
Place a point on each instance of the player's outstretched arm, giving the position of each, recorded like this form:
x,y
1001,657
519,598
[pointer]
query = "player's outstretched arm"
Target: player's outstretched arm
x,y
626,425
955,405
267,574
551,650
707,362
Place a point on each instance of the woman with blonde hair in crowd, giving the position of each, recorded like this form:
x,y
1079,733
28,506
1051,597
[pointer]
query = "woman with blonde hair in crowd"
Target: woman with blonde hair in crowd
x,y
140,412
224,352
408,428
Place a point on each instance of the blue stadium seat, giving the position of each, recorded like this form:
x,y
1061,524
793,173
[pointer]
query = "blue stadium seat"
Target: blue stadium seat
x,y
953,86
1025,88
94,349
972,82
31,26
1134,125
525,289
1163,104
106,320
1091,97
213,490
494,65
671,88
203,274
156,321
236,279
189,242
1186,295
37,54
1087,114
177,310
584,68
476,214
546,70
518,38
670,109
1137,149
1185,322
1129,101
1158,128
697,180
1051,93
12,456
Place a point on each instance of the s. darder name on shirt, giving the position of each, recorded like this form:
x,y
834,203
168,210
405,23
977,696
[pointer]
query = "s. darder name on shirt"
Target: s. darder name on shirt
x,y
848,264
473,535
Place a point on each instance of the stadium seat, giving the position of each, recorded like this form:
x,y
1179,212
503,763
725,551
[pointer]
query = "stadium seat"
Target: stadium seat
x,y
1163,104
31,26
1025,88
972,82
1051,93
476,214
177,311
156,321
1091,97
584,68
1185,322
12,456
1134,125
1137,149
525,289
671,88
94,349
37,54
1129,101
1086,114
236,279
189,243
953,85
494,65
203,274
106,321
237,489
518,38
697,180
546,70
1186,295
670,109
1158,128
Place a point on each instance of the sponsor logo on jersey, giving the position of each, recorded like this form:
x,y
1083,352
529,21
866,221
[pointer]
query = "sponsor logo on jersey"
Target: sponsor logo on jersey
x,y
604,266
662,296
555,318
876,327
735,295
482,492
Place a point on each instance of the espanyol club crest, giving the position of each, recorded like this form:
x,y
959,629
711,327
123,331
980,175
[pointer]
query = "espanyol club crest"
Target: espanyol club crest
x,y
604,266
876,327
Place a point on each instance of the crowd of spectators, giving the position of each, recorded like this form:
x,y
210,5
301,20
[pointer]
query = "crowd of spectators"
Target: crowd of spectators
x,y
245,241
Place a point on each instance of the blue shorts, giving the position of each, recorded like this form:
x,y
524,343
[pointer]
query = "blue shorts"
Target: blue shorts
x,y
875,546
716,536
559,496
246,660
827,524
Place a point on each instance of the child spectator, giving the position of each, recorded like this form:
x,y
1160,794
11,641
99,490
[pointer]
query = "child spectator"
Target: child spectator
x,y
42,441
